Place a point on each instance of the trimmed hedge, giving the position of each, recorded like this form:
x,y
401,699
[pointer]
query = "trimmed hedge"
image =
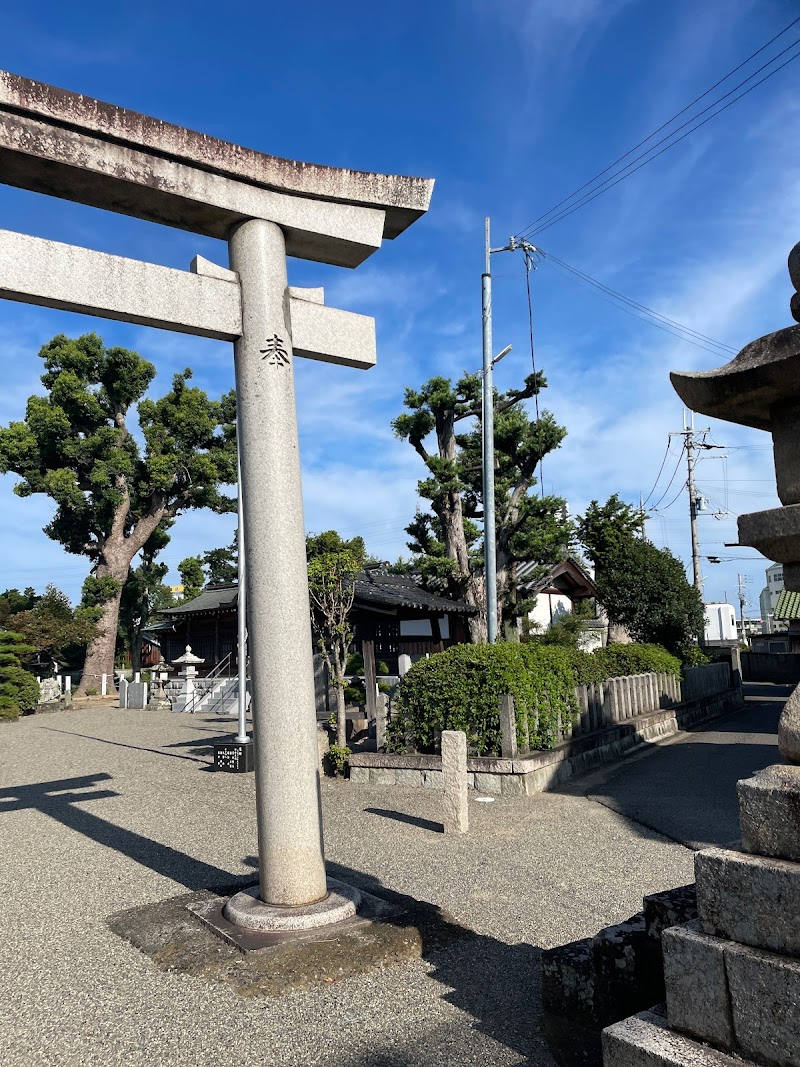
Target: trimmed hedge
x,y
460,689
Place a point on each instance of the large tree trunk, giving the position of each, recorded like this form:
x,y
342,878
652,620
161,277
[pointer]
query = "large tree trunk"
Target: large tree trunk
x,y
136,650
115,562
100,653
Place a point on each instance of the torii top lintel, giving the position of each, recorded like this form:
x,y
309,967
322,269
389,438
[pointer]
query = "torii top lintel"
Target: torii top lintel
x,y
78,148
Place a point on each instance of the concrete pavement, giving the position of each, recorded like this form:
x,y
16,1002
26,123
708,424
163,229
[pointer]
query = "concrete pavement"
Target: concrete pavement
x,y
102,810
685,787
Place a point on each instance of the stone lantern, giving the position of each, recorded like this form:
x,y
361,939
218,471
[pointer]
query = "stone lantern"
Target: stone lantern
x,y
188,662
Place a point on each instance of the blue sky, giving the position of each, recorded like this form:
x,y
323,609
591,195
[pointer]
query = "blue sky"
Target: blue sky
x,y
510,106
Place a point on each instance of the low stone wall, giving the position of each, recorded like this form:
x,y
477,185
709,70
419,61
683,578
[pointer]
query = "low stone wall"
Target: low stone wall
x,y
589,984
534,773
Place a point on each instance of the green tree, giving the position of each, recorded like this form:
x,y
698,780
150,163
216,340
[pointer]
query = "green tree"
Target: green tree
x,y
54,629
643,588
333,564
222,564
19,690
529,527
76,446
193,576
606,531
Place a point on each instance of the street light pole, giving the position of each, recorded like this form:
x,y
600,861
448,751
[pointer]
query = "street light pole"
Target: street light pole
x,y
489,545
241,735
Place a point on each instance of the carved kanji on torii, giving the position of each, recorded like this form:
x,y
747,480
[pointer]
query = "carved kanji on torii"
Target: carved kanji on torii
x,y
80,149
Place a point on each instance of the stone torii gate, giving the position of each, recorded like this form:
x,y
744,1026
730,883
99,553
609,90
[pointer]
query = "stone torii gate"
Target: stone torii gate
x,y
80,149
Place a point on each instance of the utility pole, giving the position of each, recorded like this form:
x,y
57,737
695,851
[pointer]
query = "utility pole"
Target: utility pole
x,y
742,601
689,435
489,529
487,422
690,446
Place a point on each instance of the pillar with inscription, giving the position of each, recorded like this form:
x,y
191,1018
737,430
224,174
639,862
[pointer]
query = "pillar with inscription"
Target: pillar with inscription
x,y
66,145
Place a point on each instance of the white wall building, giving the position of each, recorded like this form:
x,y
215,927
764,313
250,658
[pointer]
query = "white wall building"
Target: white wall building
x,y
720,623
769,597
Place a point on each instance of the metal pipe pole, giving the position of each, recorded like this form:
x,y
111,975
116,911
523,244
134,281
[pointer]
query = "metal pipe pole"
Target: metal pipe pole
x,y
489,547
241,601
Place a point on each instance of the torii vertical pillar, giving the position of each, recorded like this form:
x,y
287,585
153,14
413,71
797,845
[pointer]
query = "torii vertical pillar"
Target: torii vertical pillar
x,y
291,859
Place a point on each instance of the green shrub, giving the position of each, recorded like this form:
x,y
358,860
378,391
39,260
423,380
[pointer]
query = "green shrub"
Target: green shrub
x,y
620,660
694,656
460,689
19,690
339,756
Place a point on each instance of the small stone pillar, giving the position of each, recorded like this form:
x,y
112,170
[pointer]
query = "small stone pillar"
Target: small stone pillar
x,y
455,807
736,667
67,683
508,726
403,664
123,692
188,661
381,717
103,685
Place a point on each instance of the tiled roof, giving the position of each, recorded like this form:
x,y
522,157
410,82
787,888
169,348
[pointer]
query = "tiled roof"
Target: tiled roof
x,y
788,606
214,598
373,587
402,591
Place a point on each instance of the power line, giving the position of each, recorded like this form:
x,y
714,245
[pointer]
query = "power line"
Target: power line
x,y
646,314
653,507
529,265
604,188
655,483
544,221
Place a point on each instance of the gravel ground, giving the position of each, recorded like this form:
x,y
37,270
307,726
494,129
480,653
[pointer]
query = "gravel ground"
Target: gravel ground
x,y
102,810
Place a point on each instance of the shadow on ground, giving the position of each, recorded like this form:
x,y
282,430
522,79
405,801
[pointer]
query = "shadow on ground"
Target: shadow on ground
x,y
686,790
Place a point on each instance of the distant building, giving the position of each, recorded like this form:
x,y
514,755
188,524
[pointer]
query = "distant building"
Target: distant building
x,y
556,592
720,624
768,600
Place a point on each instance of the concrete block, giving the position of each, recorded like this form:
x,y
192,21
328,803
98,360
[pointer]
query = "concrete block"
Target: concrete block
x,y
382,776
568,981
645,1040
359,775
488,783
512,786
765,1001
696,989
769,812
675,907
406,776
455,808
622,969
432,779
754,900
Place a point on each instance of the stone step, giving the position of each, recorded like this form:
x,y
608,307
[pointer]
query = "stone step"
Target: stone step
x,y
769,812
645,1040
751,899
741,999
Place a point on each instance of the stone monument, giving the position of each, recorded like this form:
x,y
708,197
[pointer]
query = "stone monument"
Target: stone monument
x,y
733,976
265,208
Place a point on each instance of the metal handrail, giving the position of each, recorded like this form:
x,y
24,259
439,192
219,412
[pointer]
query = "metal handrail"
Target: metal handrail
x,y
199,695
